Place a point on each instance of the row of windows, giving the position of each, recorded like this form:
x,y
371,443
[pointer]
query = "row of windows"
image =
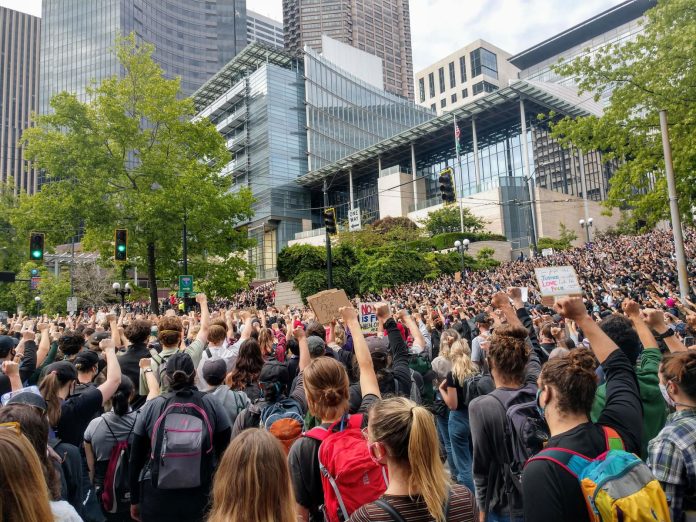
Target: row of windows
x,y
441,78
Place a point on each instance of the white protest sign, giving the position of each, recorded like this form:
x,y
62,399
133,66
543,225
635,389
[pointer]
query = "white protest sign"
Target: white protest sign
x,y
558,281
354,220
546,252
368,317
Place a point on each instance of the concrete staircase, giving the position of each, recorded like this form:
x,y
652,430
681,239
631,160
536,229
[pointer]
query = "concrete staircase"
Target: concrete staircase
x,y
286,294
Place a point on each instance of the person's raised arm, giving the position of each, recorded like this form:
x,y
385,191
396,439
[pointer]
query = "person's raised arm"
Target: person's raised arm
x,y
656,321
301,337
632,311
202,336
113,369
368,379
44,343
501,301
574,309
246,333
11,369
410,322
153,386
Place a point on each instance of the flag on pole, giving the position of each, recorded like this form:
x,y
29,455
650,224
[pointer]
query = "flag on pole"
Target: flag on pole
x,y
457,136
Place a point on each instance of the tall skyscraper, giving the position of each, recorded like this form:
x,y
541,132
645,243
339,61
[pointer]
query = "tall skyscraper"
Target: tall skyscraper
x,y
264,30
19,84
193,39
379,27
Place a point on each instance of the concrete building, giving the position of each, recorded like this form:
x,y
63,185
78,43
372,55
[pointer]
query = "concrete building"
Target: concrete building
x,y
19,89
619,24
504,146
465,75
264,30
193,39
379,27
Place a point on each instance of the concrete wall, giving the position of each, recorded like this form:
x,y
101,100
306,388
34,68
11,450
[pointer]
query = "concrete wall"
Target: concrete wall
x,y
554,208
396,194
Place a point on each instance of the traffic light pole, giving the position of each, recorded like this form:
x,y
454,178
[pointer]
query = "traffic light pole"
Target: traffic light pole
x,y
329,275
184,252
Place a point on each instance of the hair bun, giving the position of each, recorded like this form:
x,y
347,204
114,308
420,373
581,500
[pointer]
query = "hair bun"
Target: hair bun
x,y
332,397
582,359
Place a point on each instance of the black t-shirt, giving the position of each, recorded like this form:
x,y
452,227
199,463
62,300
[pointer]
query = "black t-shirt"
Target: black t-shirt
x,y
550,492
130,361
5,386
454,383
76,413
304,467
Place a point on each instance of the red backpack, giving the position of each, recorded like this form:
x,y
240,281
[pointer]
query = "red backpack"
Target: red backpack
x,y
349,476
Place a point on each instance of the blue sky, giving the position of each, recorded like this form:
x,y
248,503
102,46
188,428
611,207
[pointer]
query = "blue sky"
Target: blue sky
x,y
440,27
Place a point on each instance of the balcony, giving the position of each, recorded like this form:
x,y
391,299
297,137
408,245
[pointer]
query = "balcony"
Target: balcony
x,y
234,118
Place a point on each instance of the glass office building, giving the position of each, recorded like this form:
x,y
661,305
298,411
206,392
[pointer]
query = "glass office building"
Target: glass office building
x,y
193,39
345,114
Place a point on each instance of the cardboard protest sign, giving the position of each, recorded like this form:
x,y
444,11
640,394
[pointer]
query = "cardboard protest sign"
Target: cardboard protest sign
x,y
368,318
557,281
457,277
326,304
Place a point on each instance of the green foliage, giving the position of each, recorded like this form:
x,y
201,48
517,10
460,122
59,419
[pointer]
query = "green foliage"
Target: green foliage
x,y
652,72
447,219
131,157
386,224
444,241
389,267
566,234
296,259
564,242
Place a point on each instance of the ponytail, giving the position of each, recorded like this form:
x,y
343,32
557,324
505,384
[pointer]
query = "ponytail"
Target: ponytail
x,y
49,387
408,431
120,399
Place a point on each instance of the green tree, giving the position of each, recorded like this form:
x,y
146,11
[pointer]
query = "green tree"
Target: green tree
x,y
133,157
13,246
654,71
447,219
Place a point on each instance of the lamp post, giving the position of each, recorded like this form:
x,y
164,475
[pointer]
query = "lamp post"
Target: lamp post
x,y
462,246
122,292
37,300
586,225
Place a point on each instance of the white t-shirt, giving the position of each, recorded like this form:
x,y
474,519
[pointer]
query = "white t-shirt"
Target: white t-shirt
x,y
217,352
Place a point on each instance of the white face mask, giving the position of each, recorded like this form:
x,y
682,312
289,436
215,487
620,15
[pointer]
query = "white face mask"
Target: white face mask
x,y
665,394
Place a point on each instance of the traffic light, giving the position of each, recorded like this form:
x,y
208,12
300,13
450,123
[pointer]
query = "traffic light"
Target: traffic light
x,y
330,220
36,247
447,186
121,244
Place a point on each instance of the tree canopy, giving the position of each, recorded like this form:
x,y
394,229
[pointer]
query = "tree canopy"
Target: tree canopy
x,y
652,72
133,157
447,219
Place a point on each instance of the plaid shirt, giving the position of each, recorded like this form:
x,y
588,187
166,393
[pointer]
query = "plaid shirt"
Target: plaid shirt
x,y
672,459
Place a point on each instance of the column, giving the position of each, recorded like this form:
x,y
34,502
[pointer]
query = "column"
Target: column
x,y
56,267
413,174
350,188
529,176
477,164
583,184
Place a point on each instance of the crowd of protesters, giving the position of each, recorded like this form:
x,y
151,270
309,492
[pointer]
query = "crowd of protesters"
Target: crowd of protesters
x,y
474,400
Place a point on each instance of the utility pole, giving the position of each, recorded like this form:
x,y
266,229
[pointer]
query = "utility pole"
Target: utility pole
x,y
674,209
329,275
184,252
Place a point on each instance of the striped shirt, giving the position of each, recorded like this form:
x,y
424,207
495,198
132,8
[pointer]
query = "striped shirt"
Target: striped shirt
x,y
462,508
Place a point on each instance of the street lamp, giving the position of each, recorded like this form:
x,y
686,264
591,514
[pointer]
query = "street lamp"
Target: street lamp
x,y
462,246
37,299
586,225
123,293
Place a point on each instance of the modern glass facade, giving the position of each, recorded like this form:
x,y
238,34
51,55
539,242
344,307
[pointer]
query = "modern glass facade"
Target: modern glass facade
x,y
19,82
345,114
485,62
192,38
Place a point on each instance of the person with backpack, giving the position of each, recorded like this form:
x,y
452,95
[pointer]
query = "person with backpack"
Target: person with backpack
x,y
672,454
252,482
215,349
137,333
107,447
453,391
234,401
334,446
179,436
495,468
402,437
567,385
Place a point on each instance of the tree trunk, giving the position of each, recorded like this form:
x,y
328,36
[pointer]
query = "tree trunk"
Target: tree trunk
x,y
152,278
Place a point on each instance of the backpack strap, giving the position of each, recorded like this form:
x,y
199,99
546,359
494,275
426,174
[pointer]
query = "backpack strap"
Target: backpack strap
x,y
320,434
564,458
613,439
391,511
156,356
208,352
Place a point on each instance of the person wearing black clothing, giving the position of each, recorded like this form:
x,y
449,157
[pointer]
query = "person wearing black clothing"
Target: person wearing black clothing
x,y
137,332
566,392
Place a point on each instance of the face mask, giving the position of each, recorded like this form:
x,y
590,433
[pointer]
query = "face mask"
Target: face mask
x,y
665,394
540,409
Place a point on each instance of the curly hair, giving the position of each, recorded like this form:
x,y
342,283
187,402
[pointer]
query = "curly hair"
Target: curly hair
x,y
619,329
70,343
573,380
509,351
138,331
248,365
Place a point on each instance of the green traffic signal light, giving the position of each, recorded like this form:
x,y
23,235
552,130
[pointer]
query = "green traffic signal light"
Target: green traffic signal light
x,y
36,254
121,248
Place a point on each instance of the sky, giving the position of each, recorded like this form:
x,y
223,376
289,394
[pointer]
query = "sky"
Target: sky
x,y
440,27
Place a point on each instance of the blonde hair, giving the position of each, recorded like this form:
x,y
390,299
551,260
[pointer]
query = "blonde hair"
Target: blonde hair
x,y
339,335
23,490
326,385
446,344
253,462
462,366
408,431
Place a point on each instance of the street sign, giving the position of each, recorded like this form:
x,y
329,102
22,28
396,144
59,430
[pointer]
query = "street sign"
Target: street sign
x,y
354,221
185,284
34,283
72,305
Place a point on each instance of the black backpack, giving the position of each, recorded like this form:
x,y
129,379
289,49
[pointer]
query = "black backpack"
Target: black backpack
x,y
115,492
477,385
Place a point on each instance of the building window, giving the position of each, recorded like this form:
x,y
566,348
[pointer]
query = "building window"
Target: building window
x,y
431,84
454,98
483,62
452,75
443,102
465,93
462,68
421,89
433,107
480,87
441,74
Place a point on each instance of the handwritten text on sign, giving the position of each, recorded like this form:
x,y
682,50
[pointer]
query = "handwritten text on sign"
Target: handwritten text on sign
x,y
368,317
558,280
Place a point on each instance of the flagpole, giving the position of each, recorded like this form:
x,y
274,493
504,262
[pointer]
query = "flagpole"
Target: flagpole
x,y
461,174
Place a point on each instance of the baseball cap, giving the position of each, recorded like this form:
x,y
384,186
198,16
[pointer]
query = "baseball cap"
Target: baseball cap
x,y
65,370
87,359
214,371
377,344
97,337
29,397
7,343
481,318
274,372
180,362
317,347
